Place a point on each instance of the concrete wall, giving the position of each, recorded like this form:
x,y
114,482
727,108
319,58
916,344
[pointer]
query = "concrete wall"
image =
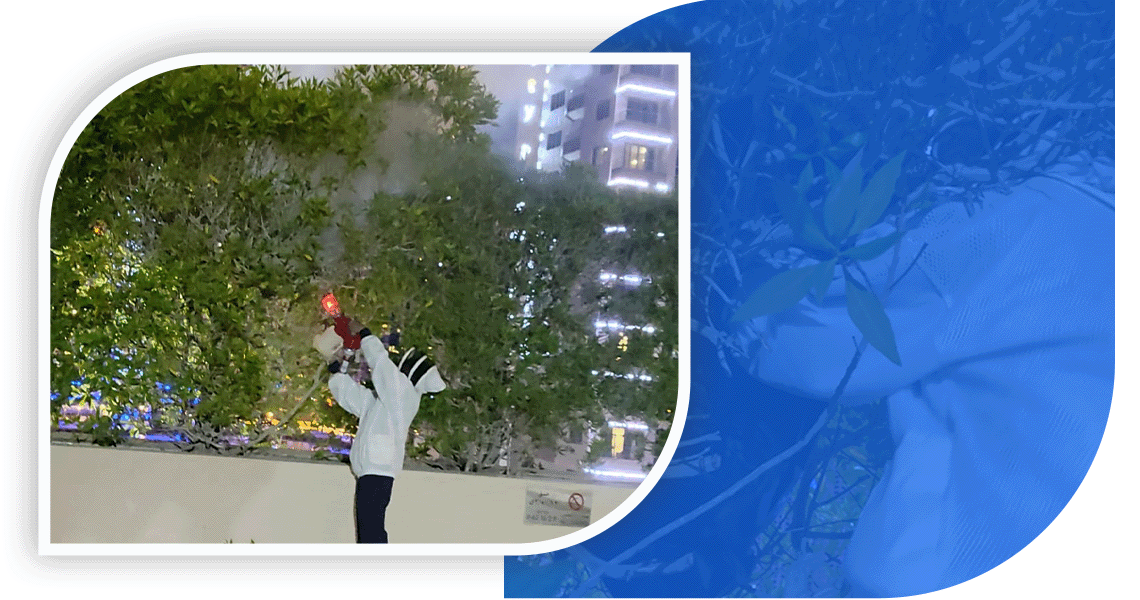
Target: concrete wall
x,y
108,495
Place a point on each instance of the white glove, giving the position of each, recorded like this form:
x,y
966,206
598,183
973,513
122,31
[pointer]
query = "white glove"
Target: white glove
x,y
328,343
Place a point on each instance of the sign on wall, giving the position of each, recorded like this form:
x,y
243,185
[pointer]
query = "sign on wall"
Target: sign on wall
x,y
552,506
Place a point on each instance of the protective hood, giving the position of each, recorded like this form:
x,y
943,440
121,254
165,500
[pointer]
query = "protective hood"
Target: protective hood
x,y
421,371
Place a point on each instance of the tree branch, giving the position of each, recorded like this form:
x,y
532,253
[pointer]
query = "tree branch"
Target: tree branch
x,y
817,91
265,433
792,450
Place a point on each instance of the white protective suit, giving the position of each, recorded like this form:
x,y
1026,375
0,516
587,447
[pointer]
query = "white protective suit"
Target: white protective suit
x,y
385,415
1005,328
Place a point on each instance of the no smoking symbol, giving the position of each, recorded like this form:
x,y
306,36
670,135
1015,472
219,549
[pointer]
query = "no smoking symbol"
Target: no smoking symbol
x,y
576,501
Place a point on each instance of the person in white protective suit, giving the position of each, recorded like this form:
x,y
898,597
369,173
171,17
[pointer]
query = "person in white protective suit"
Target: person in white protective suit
x,y
1005,328
383,391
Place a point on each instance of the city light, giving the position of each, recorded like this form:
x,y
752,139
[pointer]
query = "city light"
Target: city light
x,y
524,151
628,425
648,137
613,473
627,376
637,87
627,181
629,279
619,326
532,86
662,187
528,113
615,229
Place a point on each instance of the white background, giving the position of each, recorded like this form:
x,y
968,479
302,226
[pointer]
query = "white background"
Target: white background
x,y
60,57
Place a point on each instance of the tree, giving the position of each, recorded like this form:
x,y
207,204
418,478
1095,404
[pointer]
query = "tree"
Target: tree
x,y
202,213
185,235
487,272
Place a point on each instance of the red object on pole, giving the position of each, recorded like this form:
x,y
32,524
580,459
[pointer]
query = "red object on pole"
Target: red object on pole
x,y
340,322
351,341
331,306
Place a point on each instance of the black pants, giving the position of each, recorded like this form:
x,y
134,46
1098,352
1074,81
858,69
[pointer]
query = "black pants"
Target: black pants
x,y
372,495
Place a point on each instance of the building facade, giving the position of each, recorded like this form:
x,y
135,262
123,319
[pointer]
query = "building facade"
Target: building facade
x,y
619,120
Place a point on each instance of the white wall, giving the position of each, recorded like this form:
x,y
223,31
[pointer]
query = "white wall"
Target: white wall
x,y
108,495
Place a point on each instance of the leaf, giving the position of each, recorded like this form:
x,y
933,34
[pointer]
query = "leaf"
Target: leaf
x,y
780,116
873,248
843,201
833,172
778,293
868,315
824,273
877,196
806,178
799,216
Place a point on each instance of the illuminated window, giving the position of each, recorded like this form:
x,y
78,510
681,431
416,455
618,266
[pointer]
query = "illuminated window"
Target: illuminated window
x,y
617,441
601,156
558,100
528,113
524,151
641,111
603,110
532,85
638,157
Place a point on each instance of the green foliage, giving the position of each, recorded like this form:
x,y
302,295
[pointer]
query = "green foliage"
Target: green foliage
x,y
202,213
849,209
185,232
496,279
868,315
783,291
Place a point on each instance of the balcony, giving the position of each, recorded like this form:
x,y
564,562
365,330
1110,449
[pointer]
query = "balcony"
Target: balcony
x,y
646,86
629,130
572,149
647,181
576,107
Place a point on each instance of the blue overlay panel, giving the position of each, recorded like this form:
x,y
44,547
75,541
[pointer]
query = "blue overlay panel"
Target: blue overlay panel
x,y
902,298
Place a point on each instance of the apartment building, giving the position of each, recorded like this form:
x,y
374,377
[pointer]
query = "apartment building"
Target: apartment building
x,y
621,120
